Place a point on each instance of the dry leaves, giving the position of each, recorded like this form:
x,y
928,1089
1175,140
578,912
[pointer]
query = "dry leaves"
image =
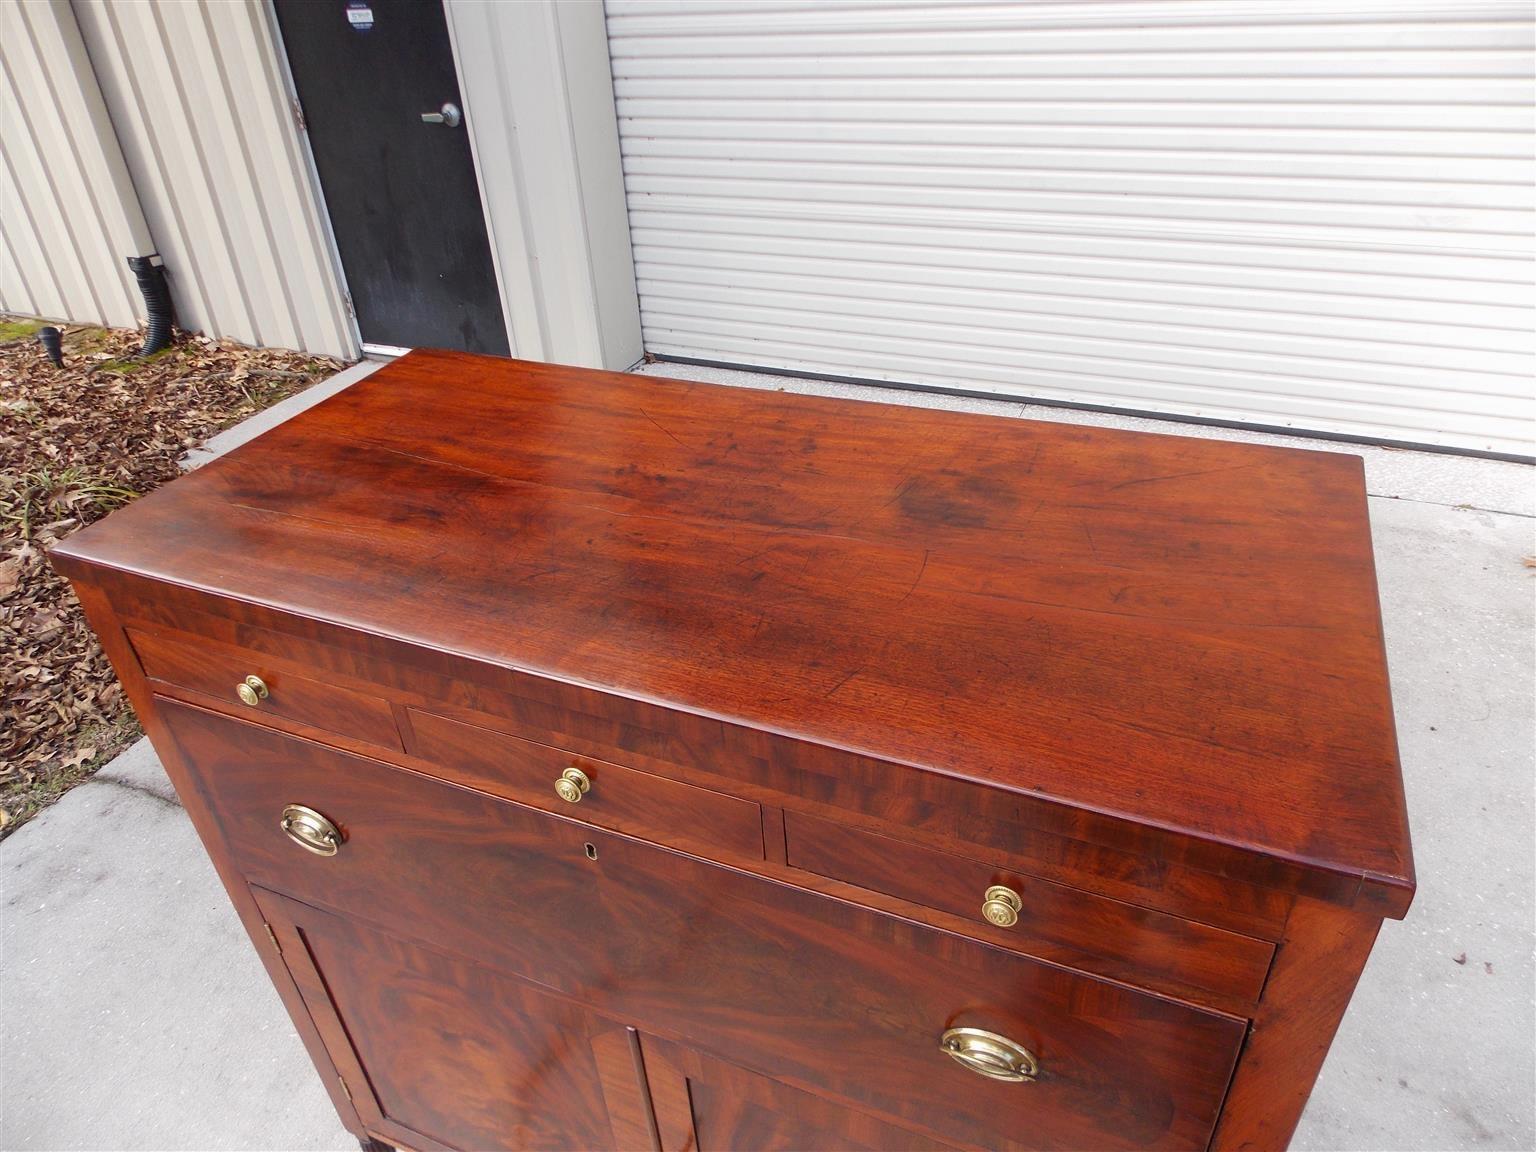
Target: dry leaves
x,y
76,443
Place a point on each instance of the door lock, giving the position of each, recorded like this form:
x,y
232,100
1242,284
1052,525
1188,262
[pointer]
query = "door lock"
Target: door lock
x,y
448,115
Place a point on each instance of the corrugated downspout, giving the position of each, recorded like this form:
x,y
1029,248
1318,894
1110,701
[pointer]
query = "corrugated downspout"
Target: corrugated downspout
x,y
52,341
150,274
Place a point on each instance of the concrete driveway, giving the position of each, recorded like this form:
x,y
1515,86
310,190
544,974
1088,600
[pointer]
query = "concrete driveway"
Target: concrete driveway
x,y
136,1014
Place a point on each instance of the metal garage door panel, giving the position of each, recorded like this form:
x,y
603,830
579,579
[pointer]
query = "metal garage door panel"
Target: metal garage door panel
x,y
1301,215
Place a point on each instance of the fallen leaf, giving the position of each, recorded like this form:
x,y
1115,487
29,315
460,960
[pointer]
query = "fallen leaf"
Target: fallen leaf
x,y
78,756
75,443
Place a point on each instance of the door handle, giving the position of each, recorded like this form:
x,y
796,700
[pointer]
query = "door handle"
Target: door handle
x,y
449,116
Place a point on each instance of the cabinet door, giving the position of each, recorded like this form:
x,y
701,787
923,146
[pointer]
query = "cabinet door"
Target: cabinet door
x,y
439,1052
704,1104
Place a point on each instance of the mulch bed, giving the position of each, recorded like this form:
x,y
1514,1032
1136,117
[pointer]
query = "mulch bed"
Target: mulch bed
x,y
75,443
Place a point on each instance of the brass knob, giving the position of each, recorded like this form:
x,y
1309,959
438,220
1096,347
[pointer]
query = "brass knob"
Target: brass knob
x,y
310,830
990,1055
251,691
572,785
1001,906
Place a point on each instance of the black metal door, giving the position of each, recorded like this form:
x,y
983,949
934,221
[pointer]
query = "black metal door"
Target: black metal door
x,y
400,190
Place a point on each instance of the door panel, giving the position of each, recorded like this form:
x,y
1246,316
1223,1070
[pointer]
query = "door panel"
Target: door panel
x,y
1288,226
402,195
707,1104
438,1051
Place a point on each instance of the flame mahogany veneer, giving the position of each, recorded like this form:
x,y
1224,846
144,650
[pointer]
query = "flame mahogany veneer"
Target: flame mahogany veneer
x,y
830,674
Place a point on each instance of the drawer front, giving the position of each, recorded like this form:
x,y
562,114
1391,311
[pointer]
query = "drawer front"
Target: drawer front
x,y
218,671
1053,921
623,799
817,992
970,817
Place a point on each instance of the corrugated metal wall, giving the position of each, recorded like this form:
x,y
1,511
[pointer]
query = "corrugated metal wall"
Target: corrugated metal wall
x,y
70,215
1315,215
197,106
196,97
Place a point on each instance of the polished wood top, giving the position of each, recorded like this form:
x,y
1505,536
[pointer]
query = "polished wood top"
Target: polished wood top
x,y
1181,633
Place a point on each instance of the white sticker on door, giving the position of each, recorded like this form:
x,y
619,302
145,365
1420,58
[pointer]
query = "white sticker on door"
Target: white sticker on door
x,y
360,16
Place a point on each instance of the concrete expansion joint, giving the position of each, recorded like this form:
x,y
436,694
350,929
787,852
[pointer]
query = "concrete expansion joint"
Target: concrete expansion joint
x,y
130,786
1448,504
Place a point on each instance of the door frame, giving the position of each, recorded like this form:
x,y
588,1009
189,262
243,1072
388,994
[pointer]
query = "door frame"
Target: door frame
x,y
290,93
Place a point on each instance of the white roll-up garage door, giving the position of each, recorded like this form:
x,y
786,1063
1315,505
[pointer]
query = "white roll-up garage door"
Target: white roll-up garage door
x,y
1294,214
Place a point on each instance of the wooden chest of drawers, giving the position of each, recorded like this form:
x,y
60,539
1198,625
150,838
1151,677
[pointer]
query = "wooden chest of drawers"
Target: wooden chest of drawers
x,y
610,762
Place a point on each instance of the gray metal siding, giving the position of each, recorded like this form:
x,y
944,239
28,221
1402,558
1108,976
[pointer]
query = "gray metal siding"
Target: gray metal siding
x,y
178,108
1306,214
70,216
196,98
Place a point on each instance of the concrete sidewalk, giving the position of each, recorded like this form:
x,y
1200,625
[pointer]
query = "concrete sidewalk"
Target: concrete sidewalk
x,y
137,1015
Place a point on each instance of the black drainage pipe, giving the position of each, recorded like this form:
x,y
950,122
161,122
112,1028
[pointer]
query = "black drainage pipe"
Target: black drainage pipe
x,y
157,302
52,341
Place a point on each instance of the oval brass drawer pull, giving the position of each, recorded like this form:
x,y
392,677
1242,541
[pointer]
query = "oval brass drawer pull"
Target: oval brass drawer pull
x,y
252,690
1001,906
988,1054
310,830
572,785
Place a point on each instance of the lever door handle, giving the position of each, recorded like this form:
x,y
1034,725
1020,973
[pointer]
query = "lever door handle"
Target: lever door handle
x,y
449,116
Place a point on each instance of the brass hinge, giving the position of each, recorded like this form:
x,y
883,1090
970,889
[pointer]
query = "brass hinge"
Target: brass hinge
x,y
347,1092
298,114
272,936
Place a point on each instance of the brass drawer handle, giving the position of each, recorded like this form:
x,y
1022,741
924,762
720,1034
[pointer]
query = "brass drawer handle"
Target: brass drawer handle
x,y
988,1054
310,830
1001,906
252,690
572,785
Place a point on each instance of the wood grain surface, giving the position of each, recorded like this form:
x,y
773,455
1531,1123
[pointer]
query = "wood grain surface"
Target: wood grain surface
x,y
822,994
1122,941
448,1054
210,668
1171,633
618,797
1316,968
1220,884
704,1104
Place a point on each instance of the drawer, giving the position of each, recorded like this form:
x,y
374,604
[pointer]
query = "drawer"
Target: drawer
x,y
623,799
1052,921
218,670
818,993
